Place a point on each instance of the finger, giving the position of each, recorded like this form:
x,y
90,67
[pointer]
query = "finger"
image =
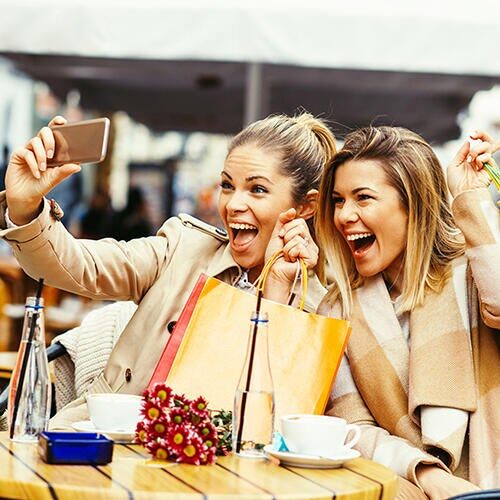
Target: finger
x,y
462,154
296,223
298,248
29,158
63,172
478,147
40,155
300,251
283,218
482,159
297,230
481,134
47,138
287,216
57,120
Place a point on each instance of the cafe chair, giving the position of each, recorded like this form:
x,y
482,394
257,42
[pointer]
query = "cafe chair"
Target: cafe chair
x,y
479,495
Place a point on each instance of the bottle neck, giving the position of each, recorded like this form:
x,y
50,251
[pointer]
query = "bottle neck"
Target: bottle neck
x,y
256,373
34,324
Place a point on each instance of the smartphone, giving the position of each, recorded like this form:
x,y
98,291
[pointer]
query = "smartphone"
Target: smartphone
x,y
80,142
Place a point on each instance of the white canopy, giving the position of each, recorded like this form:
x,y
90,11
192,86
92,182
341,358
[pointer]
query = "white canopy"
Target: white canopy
x,y
437,36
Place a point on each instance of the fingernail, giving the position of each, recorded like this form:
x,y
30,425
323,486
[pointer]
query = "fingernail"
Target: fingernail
x,y
281,234
43,166
37,174
50,153
469,159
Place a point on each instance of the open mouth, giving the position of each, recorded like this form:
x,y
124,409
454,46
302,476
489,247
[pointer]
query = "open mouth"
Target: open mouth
x,y
242,235
360,243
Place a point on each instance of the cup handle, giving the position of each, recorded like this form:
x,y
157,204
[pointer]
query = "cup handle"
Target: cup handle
x,y
355,438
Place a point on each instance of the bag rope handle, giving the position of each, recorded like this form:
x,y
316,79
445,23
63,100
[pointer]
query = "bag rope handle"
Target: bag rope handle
x,y
261,281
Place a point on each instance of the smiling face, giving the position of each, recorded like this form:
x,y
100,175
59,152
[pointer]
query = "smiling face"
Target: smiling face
x,y
253,194
369,215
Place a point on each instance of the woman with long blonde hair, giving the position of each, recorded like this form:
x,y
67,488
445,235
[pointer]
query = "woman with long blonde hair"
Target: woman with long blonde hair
x,y
420,281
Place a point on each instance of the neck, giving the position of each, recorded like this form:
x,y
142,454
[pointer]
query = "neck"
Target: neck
x,y
393,277
254,273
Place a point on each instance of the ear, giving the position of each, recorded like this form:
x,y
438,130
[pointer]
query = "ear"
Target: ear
x,y
307,208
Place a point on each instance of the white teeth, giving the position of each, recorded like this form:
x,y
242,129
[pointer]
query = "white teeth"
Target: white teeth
x,y
241,226
352,237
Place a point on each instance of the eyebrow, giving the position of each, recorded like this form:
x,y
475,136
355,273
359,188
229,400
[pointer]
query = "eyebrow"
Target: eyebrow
x,y
249,179
358,189
258,177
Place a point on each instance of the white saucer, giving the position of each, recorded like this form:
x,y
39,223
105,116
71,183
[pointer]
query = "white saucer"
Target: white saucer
x,y
311,461
116,436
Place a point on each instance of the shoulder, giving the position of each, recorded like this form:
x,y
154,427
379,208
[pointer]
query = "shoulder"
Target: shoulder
x,y
188,231
190,222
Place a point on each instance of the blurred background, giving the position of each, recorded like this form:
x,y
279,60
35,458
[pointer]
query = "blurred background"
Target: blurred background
x,y
178,78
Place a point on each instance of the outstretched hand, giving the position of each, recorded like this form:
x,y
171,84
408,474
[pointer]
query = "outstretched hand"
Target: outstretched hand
x,y
466,171
28,179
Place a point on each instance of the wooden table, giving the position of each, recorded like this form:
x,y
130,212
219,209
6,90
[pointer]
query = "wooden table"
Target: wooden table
x,y
24,475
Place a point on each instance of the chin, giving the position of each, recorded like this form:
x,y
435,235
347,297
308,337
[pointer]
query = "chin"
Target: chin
x,y
367,273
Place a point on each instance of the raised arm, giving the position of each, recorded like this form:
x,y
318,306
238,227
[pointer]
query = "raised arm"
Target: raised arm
x,y
104,269
478,219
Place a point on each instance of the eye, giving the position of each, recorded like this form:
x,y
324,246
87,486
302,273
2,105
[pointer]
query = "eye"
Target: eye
x,y
225,185
258,189
337,200
364,197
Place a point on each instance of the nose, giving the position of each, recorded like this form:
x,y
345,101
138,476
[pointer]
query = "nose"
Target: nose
x,y
348,213
237,202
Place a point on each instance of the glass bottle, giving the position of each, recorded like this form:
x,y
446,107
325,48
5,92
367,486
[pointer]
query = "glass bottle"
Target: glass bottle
x,y
30,387
253,415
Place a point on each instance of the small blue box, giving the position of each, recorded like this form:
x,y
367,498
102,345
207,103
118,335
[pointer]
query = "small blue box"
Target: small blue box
x,y
75,448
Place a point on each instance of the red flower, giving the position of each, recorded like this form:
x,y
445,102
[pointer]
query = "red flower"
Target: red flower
x,y
181,401
177,437
178,416
158,449
141,433
175,427
208,434
162,394
158,427
199,407
193,451
151,411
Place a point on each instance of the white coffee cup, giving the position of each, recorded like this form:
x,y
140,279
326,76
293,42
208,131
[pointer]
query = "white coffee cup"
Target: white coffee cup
x,y
319,435
118,412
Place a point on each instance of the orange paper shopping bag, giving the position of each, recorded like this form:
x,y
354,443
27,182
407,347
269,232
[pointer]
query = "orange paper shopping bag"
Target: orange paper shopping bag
x,y
206,351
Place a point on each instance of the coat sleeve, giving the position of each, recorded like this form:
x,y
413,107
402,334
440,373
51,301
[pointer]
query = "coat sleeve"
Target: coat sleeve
x,y
478,219
99,269
375,442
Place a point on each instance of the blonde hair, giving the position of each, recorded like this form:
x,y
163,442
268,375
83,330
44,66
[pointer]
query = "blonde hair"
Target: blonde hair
x,y
305,144
433,240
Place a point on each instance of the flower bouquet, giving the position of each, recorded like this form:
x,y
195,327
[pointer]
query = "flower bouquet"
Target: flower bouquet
x,y
175,427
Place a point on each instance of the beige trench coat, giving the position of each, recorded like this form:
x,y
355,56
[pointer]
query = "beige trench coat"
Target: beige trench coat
x,y
157,272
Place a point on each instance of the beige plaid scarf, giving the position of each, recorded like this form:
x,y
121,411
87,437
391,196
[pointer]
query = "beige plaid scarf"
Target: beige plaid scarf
x,y
429,393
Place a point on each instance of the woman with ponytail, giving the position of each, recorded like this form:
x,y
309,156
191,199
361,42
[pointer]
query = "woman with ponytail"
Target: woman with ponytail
x,y
268,193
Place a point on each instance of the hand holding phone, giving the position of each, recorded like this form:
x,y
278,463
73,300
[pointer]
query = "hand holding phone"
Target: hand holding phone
x,y
60,145
80,142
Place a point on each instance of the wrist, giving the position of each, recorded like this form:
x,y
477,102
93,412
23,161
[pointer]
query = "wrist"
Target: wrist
x,y
428,475
23,212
